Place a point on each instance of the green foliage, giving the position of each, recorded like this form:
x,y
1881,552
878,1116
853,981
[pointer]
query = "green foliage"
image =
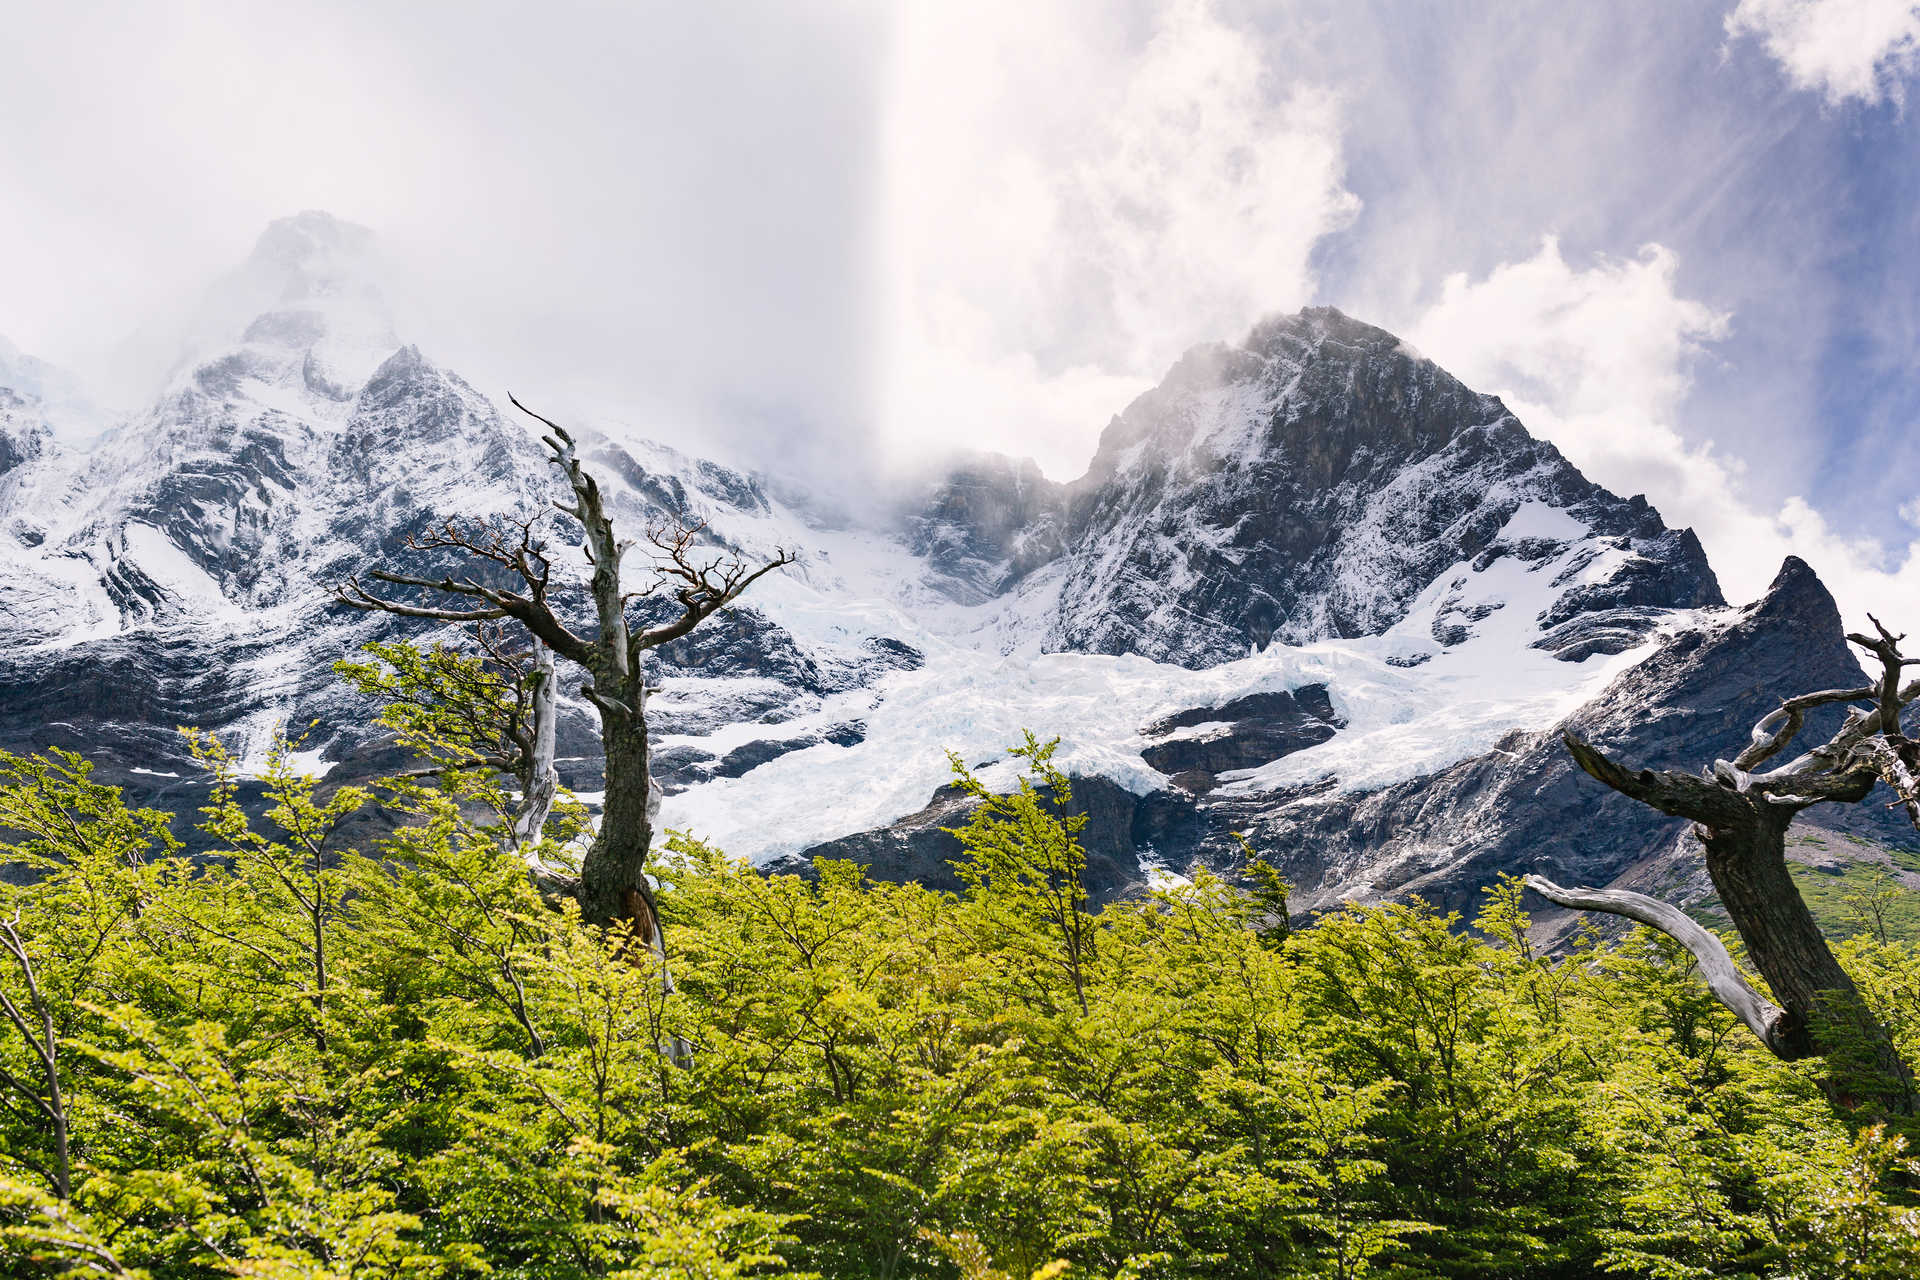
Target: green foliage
x,y
1025,868
467,717
449,707
1862,899
303,1058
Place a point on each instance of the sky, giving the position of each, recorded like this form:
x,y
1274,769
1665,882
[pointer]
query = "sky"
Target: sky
x,y
840,236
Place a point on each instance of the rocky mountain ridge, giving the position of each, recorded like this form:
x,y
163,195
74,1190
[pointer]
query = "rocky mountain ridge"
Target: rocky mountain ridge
x,y
1311,588
1305,485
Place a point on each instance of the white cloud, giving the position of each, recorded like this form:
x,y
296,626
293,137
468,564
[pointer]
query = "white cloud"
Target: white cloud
x,y
1597,359
663,209
1857,49
1067,209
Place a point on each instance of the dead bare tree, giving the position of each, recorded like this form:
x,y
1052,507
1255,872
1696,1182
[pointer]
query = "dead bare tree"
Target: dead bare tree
x,y
539,779
613,882
1741,813
497,711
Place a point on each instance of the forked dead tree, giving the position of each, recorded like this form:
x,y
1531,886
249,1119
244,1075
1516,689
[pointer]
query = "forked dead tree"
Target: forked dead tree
x,y
613,883
1741,811
495,710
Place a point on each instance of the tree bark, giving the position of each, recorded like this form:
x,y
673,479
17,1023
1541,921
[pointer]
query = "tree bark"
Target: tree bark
x,y
1825,1013
1747,863
542,782
613,878
1742,821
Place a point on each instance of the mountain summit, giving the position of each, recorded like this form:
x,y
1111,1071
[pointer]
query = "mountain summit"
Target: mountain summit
x,y
1309,484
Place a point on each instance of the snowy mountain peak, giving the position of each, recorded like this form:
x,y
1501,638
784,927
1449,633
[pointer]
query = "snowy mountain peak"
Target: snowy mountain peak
x,y
306,310
312,250
1310,483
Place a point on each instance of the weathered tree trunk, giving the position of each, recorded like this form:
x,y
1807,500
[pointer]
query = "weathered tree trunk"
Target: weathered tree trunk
x,y
613,879
614,889
1742,819
1747,862
542,782
1825,1013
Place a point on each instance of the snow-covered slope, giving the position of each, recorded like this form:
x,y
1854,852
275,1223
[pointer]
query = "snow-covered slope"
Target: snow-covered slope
x,y
1311,587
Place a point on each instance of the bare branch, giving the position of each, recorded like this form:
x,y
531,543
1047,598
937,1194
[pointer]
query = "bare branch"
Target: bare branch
x,y
548,423
1886,647
1893,759
531,611
1763,1017
355,596
702,588
1779,727
1680,795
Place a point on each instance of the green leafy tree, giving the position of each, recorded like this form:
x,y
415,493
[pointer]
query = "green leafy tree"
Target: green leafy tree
x,y
1024,864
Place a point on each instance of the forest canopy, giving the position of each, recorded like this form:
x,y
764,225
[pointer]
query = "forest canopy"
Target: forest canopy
x,y
298,1058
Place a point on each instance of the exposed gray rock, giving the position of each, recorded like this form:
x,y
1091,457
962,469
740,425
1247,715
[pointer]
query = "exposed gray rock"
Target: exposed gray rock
x,y
991,521
1309,484
1240,734
23,432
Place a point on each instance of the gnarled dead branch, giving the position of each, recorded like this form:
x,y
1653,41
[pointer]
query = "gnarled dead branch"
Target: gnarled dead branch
x,y
1762,1016
1741,816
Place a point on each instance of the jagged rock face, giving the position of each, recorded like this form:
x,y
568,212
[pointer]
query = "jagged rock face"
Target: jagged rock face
x,y
1311,588
991,521
1523,807
25,439
1308,485
23,436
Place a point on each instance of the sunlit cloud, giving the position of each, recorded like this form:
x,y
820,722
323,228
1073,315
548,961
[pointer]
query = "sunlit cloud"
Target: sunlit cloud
x,y
1597,358
1845,49
1067,210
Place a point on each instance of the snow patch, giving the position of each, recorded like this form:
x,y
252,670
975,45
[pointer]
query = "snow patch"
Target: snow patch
x,y
172,569
1535,519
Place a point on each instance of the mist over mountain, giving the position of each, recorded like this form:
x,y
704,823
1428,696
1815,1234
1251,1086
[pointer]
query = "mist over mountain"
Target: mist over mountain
x,y
1311,587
